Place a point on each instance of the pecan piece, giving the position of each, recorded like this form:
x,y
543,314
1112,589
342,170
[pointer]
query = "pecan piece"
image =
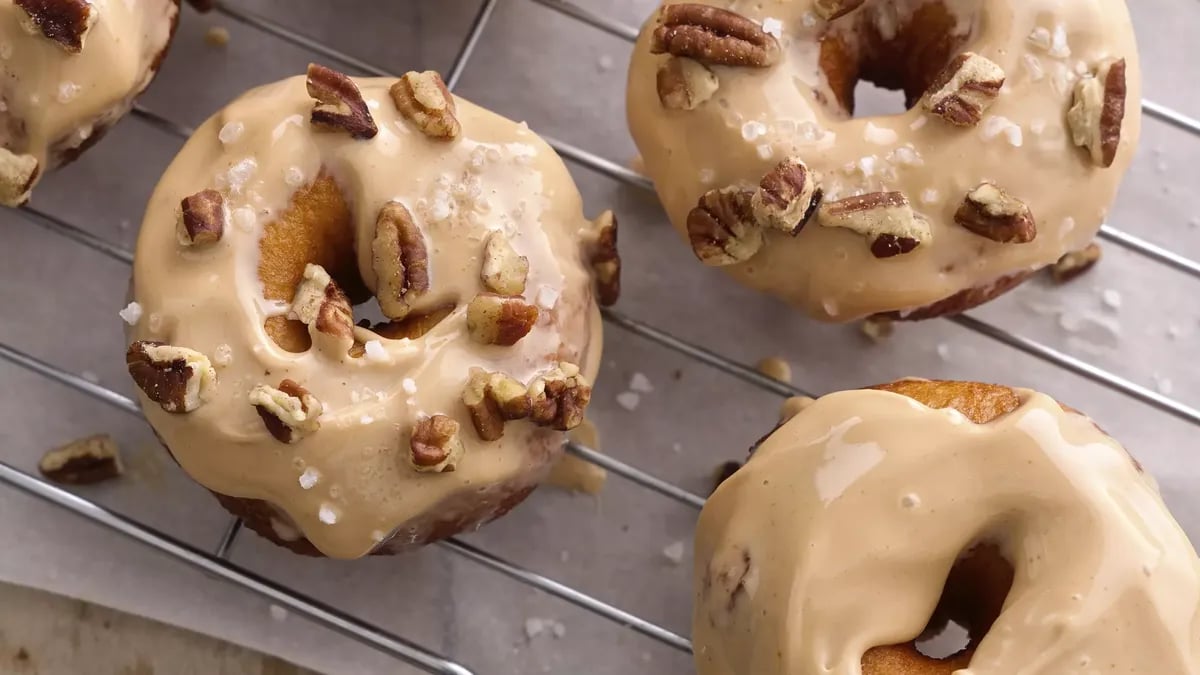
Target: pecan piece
x,y
492,399
500,319
833,9
713,36
683,83
722,228
605,259
322,306
82,462
424,99
559,398
18,173
178,379
290,412
503,271
1075,263
991,212
435,446
786,197
886,219
201,219
400,260
965,89
66,22
340,105
1095,117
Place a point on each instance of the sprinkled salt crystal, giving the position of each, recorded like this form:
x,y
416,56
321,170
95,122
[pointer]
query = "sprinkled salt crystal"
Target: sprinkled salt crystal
x,y
930,196
943,351
1163,385
310,478
605,62
867,165
131,314
808,20
906,155
1111,298
1062,79
375,352
995,125
365,420
674,552
244,218
409,385
879,135
809,131
1058,43
378,536
765,151
327,514
293,176
640,383
90,376
535,627
753,129
223,356
231,132
629,400
773,26
830,306
1015,137
67,91
1033,66
547,297
1040,38
919,122
707,176
279,613
442,207
239,173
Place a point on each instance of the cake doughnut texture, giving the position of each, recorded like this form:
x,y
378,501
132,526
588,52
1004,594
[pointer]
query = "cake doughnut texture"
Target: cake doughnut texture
x,y
334,434
71,69
1022,118
874,517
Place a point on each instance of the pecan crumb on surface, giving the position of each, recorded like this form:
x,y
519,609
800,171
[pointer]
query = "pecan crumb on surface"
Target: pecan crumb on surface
x,y
82,462
1076,263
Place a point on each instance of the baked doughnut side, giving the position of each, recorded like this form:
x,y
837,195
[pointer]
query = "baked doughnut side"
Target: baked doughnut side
x,y
377,426
874,516
59,100
963,191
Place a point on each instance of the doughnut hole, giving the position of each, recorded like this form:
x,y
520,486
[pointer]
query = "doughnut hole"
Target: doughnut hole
x,y
972,598
317,227
895,45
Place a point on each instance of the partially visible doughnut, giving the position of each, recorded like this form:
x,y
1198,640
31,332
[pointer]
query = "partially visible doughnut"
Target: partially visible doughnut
x,y
1022,118
872,518
332,433
69,69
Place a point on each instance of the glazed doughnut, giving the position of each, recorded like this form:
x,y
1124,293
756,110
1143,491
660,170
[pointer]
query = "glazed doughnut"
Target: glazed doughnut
x,y
71,69
874,517
283,214
745,123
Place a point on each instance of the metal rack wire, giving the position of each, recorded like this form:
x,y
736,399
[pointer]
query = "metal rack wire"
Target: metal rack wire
x,y
215,562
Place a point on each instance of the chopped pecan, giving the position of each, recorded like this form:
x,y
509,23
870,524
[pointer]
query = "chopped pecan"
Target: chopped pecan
x,y
605,259
500,319
965,89
340,105
503,271
833,9
713,36
82,462
202,219
492,399
1076,263
18,173
322,306
786,197
559,397
435,446
886,219
722,228
683,83
1095,117
400,260
290,412
178,379
66,22
424,99
991,212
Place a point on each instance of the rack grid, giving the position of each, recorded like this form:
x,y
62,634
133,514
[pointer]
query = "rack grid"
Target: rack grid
x,y
216,562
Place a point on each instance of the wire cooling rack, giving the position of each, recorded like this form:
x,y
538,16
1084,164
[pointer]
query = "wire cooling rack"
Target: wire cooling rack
x,y
216,560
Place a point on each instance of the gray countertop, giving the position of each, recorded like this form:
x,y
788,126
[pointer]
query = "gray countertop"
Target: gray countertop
x,y
60,300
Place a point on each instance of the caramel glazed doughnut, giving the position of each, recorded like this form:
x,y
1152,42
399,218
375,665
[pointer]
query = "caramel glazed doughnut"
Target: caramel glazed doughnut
x,y
281,212
1022,118
70,69
828,551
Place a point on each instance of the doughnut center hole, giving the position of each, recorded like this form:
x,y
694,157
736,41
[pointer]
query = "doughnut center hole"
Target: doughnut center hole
x,y
951,640
892,46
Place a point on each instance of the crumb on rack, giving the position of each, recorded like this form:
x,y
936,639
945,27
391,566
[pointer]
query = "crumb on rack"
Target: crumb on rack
x,y
85,461
877,328
674,552
132,313
217,36
640,383
629,400
535,626
775,368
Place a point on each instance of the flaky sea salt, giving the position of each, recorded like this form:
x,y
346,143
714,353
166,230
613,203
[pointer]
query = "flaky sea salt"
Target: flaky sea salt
x,y
231,132
629,400
773,26
278,613
1059,48
310,478
765,151
707,176
943,351
244,218
674,552
547,297
1040,38
409,385
753,129
1033,66
327,514
1111,298
240,173
223,355
375,352
640,383
879,135
67,91
132,313
293,176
